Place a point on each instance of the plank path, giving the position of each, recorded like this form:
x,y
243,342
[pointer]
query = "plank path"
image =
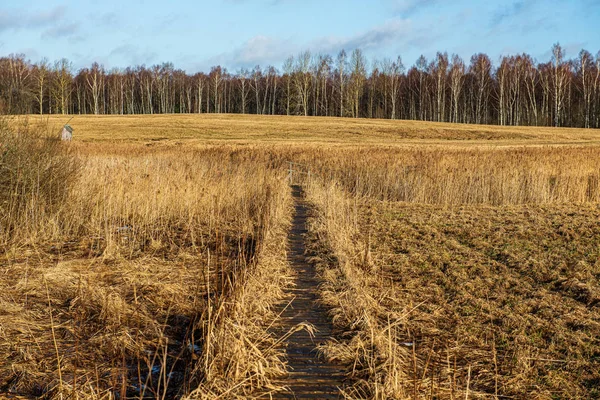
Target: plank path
x,y
309,377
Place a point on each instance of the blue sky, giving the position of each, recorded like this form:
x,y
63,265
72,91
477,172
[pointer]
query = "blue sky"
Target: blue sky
x,y
195,35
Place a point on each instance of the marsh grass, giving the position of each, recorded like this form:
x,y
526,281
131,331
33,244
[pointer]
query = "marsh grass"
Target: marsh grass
x,y
36,173
155,277
457,300
151,267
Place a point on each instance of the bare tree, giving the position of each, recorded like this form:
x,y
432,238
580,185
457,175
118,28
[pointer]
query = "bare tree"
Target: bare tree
x,y
481,68
243,77
441,71
585,64
275,74
342,59
95,81
130,92
41,77
560,79
288,69
321,70
62,85
457,76
255,84
422,70
216,76
560,92
502,78
200,82
18,83
302,80
358,64
531,78
393,70
269,77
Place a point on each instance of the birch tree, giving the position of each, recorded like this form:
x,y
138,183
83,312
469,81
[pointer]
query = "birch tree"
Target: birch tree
x,y
95,81
422,70
243,77
41,77
302,80
585,64
358,73
288,70
216,75
62,85
393,71
342,59
457,76
560,78
441,70
531,78
481,68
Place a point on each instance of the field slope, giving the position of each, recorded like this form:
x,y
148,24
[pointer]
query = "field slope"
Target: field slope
x,y
235,128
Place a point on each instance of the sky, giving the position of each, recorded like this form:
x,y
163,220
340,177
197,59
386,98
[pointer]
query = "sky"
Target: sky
x,y
196,34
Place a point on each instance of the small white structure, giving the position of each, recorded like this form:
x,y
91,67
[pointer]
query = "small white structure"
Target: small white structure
x,y
67,133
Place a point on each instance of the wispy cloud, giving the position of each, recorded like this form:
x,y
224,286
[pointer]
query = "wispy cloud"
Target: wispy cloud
x,y
507,13
110,19
264,50
410,7
260,49
394,30
132,55
61,30
523,16
46,17
51,22
12,19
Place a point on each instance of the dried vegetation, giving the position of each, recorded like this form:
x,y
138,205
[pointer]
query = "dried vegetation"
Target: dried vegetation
x,y
153,275
149,267
473,274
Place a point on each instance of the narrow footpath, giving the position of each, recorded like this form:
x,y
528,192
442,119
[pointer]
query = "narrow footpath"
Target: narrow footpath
x,y
310,377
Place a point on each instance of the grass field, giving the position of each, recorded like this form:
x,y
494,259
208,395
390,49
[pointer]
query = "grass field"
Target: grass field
x,y
471,301
147,257
216,128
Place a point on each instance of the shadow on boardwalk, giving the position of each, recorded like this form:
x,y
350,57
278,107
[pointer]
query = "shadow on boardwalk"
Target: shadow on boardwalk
x,y
310,377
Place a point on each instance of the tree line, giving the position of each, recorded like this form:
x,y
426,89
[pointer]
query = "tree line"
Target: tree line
x,y
517,91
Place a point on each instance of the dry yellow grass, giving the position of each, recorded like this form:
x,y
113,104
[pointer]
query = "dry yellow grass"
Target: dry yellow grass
x,y
460,301
235,128
155,277
168,255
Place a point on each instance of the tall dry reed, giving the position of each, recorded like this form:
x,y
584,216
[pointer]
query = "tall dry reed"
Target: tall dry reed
x,y
454,293
478,175
156,277
36,173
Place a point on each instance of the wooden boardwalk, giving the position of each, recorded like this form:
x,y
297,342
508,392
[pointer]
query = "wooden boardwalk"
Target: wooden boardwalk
x,y
310,377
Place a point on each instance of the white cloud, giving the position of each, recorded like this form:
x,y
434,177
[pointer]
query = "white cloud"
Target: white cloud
x,y
132,55
267,50
258,50
394,30
263,48
24,19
